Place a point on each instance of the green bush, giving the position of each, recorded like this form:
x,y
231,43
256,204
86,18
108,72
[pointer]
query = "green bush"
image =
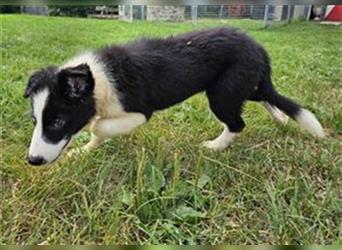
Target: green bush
x,y
80,11
9,9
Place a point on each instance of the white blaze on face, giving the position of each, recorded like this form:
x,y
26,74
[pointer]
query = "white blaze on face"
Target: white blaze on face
x,y
40,147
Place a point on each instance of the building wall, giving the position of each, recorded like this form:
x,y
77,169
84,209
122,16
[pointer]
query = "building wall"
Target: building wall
x,y
165,13
36,10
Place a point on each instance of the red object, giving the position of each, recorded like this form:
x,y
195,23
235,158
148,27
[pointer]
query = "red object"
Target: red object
x,y
335,14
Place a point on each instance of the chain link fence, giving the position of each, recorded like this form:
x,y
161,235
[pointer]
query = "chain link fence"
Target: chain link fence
x,y
267,13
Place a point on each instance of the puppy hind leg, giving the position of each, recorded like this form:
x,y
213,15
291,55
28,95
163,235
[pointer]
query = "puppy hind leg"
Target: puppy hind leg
x,y
276,113
222,141
228,112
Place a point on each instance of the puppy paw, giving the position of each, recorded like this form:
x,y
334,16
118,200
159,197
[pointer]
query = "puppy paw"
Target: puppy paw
x,y
214,144
75,152
281,118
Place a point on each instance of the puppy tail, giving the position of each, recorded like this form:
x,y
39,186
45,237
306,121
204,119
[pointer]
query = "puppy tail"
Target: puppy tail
x,y
302,116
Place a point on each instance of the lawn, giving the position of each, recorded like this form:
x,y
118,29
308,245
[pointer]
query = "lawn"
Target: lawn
x,y
274,184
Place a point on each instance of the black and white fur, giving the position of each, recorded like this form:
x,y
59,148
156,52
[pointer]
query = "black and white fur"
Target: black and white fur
x,y
115,89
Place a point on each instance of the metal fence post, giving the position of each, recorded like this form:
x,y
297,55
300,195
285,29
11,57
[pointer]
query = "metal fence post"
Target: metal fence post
x,y
123,11
142,12
267,8
131,13
288,16
251,10
194,14
221,11
309,13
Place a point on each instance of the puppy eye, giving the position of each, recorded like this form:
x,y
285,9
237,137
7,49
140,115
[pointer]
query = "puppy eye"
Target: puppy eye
x,y
58,123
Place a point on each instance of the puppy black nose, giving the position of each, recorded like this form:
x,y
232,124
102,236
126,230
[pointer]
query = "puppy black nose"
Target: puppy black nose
x,y
36,160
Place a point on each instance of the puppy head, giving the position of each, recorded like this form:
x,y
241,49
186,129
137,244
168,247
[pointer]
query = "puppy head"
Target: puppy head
x,y
62,104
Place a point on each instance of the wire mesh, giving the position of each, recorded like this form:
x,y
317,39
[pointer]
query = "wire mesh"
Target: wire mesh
x,y
194,13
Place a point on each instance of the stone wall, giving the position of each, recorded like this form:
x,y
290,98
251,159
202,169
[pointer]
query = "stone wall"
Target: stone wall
x,y
165,13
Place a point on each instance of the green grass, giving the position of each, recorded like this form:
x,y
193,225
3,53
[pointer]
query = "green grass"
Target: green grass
x,y
274,184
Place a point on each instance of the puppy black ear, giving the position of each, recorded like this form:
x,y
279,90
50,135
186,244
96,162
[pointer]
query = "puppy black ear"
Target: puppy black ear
x,y
28,91
76,83
32,83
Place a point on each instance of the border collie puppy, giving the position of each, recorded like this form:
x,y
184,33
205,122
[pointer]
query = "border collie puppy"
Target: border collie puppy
x,y
115,89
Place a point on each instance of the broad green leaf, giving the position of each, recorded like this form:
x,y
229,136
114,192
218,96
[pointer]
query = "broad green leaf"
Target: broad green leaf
x,y
186,212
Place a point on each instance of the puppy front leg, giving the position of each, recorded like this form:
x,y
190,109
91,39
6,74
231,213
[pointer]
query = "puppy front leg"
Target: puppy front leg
x,y
108,127
94,142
